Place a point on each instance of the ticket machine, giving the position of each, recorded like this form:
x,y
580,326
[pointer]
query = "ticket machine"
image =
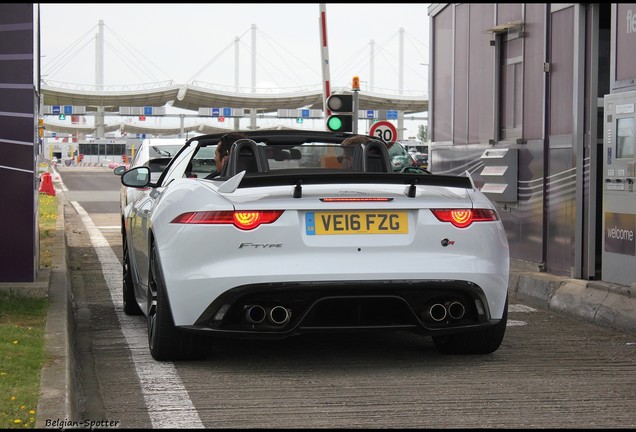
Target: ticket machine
x,y
619,196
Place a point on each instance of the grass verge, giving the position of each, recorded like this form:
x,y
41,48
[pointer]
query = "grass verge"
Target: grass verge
x,y
22,326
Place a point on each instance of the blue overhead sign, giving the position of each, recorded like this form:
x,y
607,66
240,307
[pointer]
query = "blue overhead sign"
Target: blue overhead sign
x,y
299,113
221,112
62,110
148,110
370,114
391,115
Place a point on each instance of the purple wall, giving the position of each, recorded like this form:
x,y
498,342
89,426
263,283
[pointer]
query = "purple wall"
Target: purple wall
x,y
17,149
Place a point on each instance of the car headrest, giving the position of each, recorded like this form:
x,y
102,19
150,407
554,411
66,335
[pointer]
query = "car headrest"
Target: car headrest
x,y
244,156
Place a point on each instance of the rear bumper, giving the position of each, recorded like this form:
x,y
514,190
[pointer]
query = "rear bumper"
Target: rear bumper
x,y
432,307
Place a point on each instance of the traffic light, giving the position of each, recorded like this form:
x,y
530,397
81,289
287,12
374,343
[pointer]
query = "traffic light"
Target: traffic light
x,y
341,118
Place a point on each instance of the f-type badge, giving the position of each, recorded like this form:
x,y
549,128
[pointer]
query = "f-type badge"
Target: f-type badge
x,y
260,245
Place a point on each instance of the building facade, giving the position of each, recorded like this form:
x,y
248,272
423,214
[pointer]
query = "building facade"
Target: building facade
x,y
518,99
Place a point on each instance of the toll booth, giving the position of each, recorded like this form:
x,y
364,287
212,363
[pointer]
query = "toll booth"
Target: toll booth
x,y
619,197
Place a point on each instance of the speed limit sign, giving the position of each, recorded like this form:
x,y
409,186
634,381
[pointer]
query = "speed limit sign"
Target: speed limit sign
x,y
384,130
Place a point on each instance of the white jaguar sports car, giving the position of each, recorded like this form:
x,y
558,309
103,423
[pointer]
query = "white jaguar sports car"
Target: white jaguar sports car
x,y
301,234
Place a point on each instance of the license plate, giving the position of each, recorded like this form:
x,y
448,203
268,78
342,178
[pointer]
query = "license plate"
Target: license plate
x,y
356,222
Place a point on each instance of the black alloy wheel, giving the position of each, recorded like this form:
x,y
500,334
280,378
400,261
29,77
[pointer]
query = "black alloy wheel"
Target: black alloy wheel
x,y
165,341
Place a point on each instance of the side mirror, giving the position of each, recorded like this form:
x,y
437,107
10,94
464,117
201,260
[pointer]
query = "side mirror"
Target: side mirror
x,y
119,170
138,177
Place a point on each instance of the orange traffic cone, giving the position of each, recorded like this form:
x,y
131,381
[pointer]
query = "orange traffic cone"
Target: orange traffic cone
x,y
46,184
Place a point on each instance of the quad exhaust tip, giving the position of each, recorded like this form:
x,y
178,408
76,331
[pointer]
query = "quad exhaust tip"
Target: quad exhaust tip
x,y
277,315
438,312
255,314
456,310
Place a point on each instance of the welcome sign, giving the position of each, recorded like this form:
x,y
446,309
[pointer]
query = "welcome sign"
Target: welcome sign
x,y
619,233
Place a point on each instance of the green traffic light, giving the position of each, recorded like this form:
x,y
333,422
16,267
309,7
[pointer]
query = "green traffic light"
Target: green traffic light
x,y
334,123
340,123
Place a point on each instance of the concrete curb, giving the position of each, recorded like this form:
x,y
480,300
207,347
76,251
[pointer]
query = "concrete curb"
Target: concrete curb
x,y
601,303
58,398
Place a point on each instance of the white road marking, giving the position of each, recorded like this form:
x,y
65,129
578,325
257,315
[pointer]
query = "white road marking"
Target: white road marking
x,y
167,400
58,179
520,308
515,323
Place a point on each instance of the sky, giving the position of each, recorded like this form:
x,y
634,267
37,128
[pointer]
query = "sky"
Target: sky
x,y
155,43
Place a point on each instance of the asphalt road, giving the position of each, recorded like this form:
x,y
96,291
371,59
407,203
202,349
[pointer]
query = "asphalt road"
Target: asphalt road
x,y
552,370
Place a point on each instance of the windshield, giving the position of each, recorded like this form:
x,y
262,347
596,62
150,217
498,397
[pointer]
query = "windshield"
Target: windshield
x,y
163,151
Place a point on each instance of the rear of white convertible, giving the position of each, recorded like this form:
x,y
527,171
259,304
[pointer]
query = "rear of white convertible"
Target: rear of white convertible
x,y
264,257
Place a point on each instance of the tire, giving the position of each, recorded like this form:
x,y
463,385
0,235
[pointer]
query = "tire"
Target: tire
x,y
484,341
165,341
131,307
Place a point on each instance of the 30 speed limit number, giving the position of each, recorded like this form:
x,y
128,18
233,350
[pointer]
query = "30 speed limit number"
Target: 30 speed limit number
x,y
384,130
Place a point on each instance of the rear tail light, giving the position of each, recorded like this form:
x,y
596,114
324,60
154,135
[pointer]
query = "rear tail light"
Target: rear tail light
x,y
245,220
461,218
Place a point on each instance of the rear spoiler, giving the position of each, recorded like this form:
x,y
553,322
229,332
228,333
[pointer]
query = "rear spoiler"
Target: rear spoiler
x,y
297,180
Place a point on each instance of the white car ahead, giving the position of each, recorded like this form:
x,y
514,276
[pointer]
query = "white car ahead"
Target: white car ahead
x,y
154,153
